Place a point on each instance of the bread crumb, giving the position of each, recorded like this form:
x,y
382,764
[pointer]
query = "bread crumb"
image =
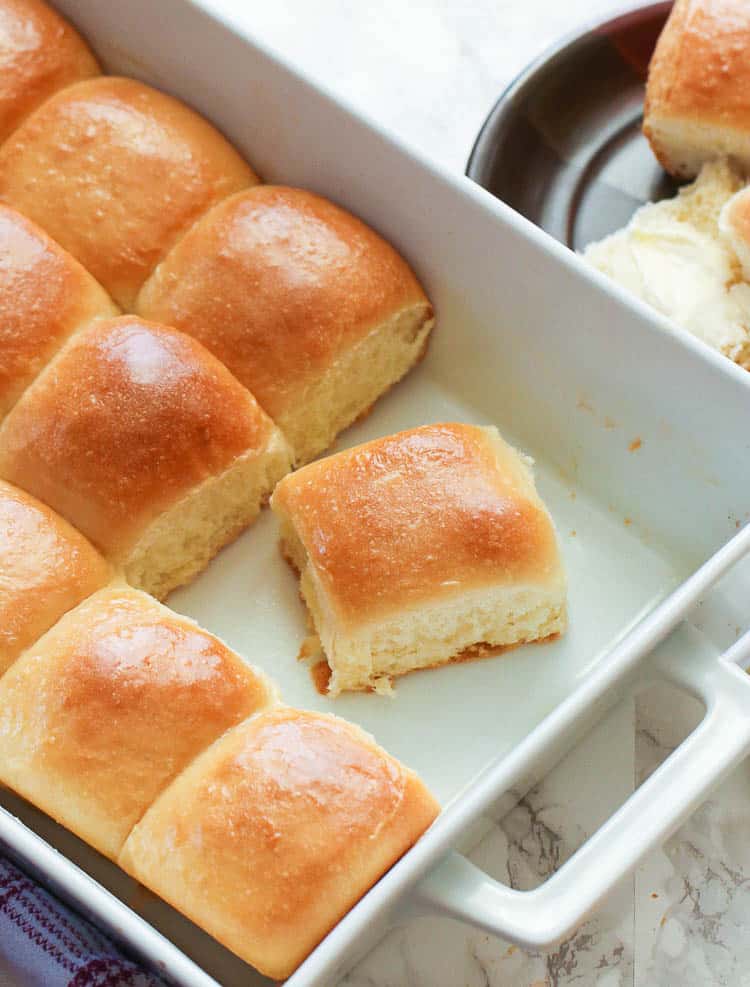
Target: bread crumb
x,y
311,649
635,445
383,686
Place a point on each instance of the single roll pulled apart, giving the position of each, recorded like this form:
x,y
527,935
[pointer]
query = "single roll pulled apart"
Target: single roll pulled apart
x,y
418,547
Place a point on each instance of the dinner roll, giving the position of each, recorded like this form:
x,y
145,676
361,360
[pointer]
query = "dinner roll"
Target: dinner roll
x,y
116,172
308,307
146,443
419,548
39,54
46,568
45,295
110,705
698,95
734,224
276,831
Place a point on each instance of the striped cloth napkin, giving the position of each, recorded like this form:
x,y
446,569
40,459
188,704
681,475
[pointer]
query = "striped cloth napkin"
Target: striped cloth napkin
x,y
44,944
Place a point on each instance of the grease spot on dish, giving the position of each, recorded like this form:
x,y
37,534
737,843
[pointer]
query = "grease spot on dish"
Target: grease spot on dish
x,y
320,673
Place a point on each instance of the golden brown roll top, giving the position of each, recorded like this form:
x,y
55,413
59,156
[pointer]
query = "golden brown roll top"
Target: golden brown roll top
x,y
419,549
110,705
270,836
46,569
420,516
131,423
698,95
311,310
116,172
45,296
39,54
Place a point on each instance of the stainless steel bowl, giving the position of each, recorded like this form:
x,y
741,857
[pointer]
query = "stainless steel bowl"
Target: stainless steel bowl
x,y
563,144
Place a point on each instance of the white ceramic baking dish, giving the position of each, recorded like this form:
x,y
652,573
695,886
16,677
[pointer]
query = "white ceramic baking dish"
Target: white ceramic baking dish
x,y
643,456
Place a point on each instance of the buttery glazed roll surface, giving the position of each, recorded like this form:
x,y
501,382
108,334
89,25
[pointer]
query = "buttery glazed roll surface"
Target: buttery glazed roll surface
x,y
116,172
270,836
127,421
39,54
45,295
419,545
46,569
282,285
110,705
414,516
698,95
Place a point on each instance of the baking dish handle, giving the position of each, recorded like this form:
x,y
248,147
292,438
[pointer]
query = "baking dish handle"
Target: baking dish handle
x,y
543,917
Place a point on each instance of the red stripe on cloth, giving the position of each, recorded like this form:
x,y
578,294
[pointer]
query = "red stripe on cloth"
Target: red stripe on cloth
x,y
63,949
49,918
38,939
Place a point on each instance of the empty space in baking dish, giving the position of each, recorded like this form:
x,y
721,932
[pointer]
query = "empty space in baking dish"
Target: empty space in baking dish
x,y
447,723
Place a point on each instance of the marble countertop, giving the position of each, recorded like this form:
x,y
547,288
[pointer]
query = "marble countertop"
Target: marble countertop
x,y
429,71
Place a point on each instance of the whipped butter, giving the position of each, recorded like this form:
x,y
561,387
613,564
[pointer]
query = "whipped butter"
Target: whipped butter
x,y
684,270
